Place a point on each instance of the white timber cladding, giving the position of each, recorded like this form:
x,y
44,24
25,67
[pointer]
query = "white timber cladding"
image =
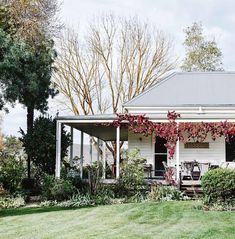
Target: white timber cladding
x,y
143,143
215,154
188,114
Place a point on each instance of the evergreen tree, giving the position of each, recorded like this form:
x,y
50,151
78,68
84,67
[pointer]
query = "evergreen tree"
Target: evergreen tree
x,y
25,76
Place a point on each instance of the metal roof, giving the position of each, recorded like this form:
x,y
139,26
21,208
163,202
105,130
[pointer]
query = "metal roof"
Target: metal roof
x,y
189,89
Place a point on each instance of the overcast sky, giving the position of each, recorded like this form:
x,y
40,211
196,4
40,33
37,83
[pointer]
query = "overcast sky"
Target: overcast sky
x,y
171,16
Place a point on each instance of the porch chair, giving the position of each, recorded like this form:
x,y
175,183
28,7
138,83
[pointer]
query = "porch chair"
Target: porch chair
x,y
166,167
148,170
204,167
186,170
231,165
224,165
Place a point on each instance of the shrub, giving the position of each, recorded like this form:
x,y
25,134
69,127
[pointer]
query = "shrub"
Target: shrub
x,y
80,185
139,196
3,192
12,162
219,186
94,177
57,189
132,174
11,173
40,144
78,200
165,193
104,195
7,202
30,187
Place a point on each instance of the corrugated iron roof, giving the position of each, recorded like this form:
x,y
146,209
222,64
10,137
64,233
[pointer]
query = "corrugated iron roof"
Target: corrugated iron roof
x,y
189,89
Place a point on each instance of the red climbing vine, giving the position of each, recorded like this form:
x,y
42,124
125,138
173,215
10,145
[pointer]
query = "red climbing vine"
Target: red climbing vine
x,y
172,132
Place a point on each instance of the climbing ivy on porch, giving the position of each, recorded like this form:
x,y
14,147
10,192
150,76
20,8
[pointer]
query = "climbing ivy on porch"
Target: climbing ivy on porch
x,y
173,131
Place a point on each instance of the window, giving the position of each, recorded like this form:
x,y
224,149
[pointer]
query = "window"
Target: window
x,y
196,145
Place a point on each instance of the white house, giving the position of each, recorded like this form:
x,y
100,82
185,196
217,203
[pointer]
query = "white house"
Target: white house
x,y
196,96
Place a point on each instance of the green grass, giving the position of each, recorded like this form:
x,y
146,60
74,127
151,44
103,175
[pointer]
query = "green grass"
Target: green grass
x,y
143,220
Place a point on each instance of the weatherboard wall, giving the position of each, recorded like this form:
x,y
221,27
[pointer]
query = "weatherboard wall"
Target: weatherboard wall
x,y
215,154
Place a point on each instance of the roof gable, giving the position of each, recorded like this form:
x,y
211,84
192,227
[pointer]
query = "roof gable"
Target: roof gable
x,y
189,89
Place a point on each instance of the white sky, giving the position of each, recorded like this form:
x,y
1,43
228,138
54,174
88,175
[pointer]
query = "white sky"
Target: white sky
x,y
171,16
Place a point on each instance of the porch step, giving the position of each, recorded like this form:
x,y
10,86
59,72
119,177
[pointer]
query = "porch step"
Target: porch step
x,y
192,188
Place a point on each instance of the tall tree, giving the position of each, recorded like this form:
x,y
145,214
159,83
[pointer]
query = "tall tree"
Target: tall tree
x,y
26,53
201,54
115,61
30,20
25,76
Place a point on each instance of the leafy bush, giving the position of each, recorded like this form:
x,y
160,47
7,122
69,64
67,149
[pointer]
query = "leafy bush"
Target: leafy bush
x,y
11,173
12,146
57,189
62,189
139,196
11,164
131,174
3,192
94,177
7,202
30,187
78,200
104,195
40,144
80,185
219,186
165,193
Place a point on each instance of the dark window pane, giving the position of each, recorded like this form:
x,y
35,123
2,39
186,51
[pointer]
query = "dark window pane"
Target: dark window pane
x,y
159,168
160,145
230,150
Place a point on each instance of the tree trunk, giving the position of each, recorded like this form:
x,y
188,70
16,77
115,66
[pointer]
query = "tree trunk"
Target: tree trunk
x,y
30,118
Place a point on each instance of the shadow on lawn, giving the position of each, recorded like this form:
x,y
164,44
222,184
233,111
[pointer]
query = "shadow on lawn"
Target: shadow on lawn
x,y
30,210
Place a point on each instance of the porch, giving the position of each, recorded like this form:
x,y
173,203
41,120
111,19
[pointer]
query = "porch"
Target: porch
x,y
189,163
100,128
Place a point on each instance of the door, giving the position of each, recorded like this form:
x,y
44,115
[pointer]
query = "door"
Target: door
x,y
230,150
160,155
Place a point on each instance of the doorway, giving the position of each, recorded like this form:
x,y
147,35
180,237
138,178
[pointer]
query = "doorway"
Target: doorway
x,y
160,155
230,150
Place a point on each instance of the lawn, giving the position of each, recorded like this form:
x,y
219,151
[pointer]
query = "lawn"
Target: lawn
x,y
142,220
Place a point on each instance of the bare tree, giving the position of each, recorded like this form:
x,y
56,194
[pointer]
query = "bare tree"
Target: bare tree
x,y
116,60
132,56
78,77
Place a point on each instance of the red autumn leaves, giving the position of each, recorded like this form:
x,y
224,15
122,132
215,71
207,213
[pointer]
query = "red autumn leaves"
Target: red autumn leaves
x,y
171,131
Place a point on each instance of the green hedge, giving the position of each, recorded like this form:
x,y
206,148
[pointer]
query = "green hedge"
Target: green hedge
x,y
57,189
219,186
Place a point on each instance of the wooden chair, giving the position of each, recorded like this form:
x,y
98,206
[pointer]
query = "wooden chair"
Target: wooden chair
x,y
186,170
166,167
204,167
148,170
231,165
